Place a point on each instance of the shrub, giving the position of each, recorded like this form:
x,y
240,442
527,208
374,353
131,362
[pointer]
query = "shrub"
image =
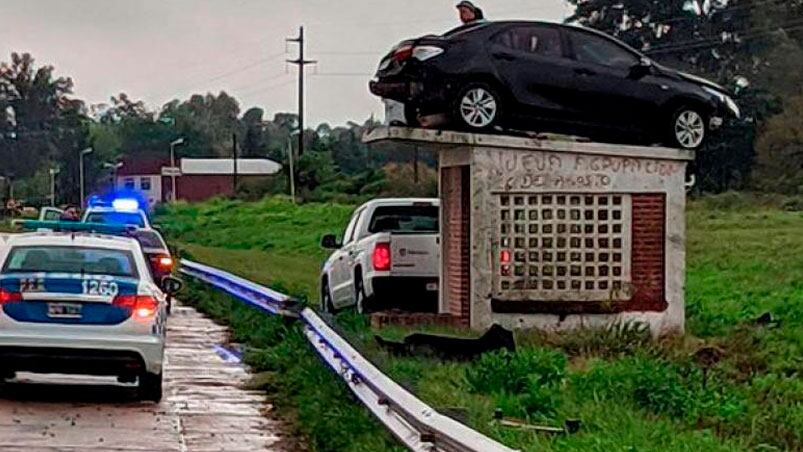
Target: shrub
x,y
503,371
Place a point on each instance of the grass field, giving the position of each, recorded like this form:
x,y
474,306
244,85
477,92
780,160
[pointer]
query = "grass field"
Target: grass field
x,y
744,260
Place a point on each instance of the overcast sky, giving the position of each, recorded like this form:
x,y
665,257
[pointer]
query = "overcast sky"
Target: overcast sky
x,y
157,50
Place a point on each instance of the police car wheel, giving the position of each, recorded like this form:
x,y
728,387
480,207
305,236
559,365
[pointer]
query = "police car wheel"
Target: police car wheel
x,y
150,387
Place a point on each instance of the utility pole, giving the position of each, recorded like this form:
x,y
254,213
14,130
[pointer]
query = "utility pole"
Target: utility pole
x,y
301,63
292,172
81,155
234,157
53,172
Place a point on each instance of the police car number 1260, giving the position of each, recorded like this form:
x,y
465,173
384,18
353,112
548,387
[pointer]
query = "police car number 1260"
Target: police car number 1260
x,y
99,287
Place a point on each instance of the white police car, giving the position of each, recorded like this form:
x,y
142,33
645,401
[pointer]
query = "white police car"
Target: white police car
x,y
79,302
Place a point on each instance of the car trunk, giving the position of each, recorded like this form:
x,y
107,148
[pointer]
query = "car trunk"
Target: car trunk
x,y
414,255
68,299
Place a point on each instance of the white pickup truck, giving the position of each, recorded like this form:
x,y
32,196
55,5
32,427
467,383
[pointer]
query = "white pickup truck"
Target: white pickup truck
x,y
388,257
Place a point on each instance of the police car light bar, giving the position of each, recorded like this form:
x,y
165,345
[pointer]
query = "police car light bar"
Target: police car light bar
x,y
74,226
125,205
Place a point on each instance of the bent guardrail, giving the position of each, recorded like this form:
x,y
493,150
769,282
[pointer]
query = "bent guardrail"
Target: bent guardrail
x,y
417,425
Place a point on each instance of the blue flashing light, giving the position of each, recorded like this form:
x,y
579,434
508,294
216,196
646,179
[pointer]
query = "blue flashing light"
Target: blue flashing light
x,y
125,204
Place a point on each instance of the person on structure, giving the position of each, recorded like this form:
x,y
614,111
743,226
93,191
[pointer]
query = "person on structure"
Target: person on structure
x,y
469,13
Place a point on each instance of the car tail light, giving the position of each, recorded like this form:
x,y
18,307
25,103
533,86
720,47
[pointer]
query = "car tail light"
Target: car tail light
x,y
403,53
381,257
142,307
163,263
7,297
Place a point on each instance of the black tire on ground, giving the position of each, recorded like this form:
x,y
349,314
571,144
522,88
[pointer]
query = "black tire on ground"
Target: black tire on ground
x,y
150,387
362,303
327,305
687,128
477,107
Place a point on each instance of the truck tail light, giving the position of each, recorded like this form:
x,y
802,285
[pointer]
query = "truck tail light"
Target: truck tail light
x,y
142,307
7,297
381,257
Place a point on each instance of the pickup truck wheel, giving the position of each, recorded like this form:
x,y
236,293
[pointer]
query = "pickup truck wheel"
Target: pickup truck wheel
x,y
150,387
326,299
361,302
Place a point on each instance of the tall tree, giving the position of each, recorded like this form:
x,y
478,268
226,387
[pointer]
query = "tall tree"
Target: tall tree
x,y
731,41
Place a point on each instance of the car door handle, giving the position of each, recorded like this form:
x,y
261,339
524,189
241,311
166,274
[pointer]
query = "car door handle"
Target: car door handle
x,y
504,56
584,71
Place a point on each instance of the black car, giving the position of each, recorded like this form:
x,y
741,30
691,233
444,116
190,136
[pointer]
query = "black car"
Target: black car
x,y
538,76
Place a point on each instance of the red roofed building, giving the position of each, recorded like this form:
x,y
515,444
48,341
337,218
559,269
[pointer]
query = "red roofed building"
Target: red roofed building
x,y
199,179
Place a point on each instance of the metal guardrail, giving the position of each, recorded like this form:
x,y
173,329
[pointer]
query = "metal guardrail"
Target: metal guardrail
x,y
417,425
252,293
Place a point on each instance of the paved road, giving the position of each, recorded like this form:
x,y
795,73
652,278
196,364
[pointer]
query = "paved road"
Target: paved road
x,y
204,408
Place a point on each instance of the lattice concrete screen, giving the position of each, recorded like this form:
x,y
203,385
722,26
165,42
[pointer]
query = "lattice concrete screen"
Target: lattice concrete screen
x,y
564,246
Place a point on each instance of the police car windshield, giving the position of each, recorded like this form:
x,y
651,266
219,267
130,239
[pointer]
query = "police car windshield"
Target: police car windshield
x,y
63,259
131,218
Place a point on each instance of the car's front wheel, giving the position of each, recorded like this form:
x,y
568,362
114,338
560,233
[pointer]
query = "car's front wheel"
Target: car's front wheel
x,y
688,128
150,387
478,107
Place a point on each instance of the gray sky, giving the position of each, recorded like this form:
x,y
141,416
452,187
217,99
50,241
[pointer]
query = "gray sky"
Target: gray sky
x,y
157,50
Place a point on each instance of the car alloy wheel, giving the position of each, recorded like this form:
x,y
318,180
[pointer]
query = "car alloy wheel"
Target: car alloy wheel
x,y
479,107
689,129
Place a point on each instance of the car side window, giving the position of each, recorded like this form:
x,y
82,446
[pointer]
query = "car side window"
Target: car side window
x,y
543,41
589,48
348,235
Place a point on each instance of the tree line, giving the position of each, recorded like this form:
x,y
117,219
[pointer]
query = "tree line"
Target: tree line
x,y
43,126
752,47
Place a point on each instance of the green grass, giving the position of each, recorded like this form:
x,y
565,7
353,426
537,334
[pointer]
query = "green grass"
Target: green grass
x,y
743,259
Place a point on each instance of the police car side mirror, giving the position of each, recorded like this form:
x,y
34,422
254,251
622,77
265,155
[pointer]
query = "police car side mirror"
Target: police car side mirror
x,y
171,285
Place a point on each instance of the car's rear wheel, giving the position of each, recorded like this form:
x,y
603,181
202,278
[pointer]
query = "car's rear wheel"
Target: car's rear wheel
x,y
688,128
478,107
150,387
361,301
327,305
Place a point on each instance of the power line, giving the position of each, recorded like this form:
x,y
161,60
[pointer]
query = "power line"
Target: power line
x,y
705,42
245,67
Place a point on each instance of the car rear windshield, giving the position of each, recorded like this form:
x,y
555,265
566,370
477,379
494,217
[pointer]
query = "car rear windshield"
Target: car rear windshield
x,y
464,29
69,259
404,219
150,239
132,218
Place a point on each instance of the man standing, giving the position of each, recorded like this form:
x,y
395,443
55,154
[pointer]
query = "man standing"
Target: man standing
x,y
469,13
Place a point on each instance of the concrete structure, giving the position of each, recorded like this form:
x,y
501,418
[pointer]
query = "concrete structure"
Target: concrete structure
x,y
200,179
557,234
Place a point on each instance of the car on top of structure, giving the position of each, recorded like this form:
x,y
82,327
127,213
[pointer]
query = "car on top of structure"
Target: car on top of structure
x,y
545,77
79,301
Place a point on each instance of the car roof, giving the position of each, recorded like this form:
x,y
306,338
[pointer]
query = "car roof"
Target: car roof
x,y
503,23
400,202
76,239
104,209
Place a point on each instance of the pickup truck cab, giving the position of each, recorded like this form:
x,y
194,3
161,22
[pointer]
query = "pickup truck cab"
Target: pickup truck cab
x,y
389,254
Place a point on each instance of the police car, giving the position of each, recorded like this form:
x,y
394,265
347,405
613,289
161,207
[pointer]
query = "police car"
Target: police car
x,y
76,300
